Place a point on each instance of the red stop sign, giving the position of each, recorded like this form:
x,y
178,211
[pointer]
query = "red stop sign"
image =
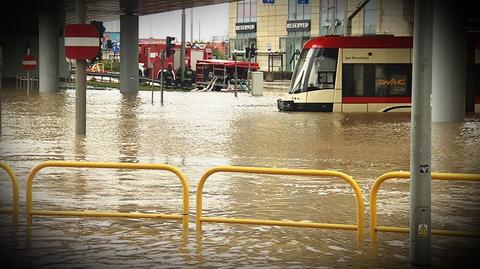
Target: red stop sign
x,y
29,62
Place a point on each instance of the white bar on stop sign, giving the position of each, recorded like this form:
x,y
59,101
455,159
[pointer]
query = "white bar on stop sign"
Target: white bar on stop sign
x,y
29,62
82,42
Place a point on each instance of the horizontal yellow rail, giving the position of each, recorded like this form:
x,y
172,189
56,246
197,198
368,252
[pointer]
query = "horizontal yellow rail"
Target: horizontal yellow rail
x,y
15,199
359,227
374,228
184,216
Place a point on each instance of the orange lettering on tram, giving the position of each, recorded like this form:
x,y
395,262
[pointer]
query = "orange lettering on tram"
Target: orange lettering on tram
x,y
390,82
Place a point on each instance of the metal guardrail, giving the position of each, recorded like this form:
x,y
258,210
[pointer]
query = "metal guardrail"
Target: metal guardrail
x,y
21,82
359,227
15,203
374,228
134,166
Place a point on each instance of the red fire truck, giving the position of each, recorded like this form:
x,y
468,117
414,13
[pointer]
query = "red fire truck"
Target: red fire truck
x,y
192,55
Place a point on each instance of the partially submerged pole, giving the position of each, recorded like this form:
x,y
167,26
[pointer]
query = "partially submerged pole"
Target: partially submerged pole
x,y
420,160
80,79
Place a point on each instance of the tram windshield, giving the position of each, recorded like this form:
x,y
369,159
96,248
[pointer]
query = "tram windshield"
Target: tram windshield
x,y
299,73
315,70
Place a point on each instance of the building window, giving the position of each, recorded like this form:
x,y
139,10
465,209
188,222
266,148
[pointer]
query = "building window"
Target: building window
x,y
377,80
299,11
370,14
333,15
247,11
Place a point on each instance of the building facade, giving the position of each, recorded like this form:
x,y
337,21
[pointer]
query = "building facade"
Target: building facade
x,y
285,25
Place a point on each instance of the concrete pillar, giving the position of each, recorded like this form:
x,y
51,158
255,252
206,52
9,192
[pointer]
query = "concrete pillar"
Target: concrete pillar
x,y
1,78
420,151
48,52
129,53
80,79
449,62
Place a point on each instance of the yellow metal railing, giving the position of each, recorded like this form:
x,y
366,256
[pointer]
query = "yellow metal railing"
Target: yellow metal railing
x,y
15,204
374,228
134,166
359,227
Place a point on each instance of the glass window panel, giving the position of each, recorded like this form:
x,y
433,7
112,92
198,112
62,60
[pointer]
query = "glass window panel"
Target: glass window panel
x,y
340,17
240,13
253,10
370,18
292,9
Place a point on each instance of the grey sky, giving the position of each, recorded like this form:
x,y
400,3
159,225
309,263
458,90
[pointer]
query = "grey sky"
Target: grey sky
x,y
213,22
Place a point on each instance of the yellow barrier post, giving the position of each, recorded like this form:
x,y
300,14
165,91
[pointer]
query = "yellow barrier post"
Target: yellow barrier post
x,y
15,200
134,166
374,228
359,227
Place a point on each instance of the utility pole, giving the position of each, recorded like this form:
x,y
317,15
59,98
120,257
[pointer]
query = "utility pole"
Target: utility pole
x,y
420,154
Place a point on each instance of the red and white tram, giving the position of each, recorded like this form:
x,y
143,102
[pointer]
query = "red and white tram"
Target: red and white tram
x,y
352,74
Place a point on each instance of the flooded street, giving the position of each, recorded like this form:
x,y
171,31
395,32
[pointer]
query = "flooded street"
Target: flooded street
x,y
195,131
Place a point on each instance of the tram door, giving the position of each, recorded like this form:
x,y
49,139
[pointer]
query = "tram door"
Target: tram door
x,y
292,47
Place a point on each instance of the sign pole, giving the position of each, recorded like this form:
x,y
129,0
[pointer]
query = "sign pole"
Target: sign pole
x,y
153,69
28,82
248,74
162,59
236,74
149,65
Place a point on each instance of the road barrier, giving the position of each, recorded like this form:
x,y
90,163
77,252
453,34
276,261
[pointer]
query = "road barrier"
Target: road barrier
x,y
134,166
374,228
359,227
15,204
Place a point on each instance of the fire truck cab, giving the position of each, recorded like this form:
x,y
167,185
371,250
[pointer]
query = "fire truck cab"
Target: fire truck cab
x,y
152,63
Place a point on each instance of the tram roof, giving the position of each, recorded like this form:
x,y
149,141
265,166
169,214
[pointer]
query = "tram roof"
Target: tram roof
x,y
360,42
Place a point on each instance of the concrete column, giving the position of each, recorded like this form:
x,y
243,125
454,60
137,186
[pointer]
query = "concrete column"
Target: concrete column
x,y
420,151
80,79
129,53
48,52
1,78
449,62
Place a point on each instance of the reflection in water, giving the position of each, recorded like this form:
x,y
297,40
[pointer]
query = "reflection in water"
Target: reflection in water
x,y
196,131
128,127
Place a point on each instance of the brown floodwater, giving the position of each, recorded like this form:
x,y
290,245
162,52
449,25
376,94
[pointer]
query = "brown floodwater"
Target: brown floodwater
x,y
195,131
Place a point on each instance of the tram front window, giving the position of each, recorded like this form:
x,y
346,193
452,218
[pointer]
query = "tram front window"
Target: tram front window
x,y
324,69
299,73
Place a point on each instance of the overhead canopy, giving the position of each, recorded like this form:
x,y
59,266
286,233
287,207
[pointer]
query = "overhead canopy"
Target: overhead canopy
x,y
20,17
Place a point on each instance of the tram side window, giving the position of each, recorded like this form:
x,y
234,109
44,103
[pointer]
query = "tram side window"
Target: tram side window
x,y
324,69
377,79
